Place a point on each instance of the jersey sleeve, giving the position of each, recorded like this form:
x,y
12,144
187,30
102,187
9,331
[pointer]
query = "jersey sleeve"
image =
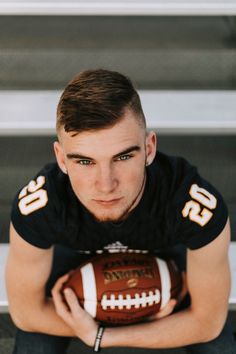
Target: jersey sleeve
x,y
32,212
198,212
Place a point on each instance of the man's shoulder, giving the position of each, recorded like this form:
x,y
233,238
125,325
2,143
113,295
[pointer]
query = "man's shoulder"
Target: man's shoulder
x,y
52,173
56,182
174,171
38,206
177,164
47,187
196,209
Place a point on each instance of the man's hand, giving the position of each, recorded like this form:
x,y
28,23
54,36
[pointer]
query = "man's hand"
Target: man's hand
x,y
83,325
170,306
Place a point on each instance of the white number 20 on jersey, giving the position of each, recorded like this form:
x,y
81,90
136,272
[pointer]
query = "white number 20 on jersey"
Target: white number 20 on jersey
x,y
193,208
33,197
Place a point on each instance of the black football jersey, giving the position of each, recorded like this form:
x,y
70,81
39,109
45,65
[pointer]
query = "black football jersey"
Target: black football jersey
x,y
178,207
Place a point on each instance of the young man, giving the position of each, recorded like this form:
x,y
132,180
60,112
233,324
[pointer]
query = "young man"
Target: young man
x,y
109,191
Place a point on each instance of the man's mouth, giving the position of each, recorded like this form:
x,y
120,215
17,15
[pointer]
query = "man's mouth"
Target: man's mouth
x,y
108,202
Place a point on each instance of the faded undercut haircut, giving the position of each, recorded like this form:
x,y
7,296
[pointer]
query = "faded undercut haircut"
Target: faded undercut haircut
x,y
97,99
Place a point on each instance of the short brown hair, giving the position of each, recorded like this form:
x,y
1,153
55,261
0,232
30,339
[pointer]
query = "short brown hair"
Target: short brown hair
x,y
97,99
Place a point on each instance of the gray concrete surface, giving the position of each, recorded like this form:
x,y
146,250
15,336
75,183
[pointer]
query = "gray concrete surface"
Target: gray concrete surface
x,y
44,52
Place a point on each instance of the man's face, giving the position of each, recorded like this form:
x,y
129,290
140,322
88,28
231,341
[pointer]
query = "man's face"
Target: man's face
x,y
107,167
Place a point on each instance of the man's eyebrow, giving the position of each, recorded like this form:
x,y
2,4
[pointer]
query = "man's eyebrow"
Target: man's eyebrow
x,y
82,157
127,151
78,156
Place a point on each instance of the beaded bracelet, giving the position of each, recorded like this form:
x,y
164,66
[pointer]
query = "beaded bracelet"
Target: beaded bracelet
x,y
98,339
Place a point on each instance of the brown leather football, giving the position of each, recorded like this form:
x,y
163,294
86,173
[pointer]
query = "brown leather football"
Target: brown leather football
x,y
124,288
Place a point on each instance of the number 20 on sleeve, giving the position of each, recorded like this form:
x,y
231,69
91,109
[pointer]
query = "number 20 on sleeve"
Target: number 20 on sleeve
x,y
33,196
193,209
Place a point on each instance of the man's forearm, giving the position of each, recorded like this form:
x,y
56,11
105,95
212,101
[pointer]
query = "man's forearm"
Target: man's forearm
x,y
177,330
44,319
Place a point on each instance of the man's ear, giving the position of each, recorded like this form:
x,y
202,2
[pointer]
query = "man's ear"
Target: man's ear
x,y
60,156
151,147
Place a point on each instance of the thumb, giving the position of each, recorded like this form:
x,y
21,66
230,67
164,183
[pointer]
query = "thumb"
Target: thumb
x,y
167,309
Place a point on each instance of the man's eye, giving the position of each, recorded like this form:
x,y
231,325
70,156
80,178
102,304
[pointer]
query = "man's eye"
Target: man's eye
x,y
84,162
124,157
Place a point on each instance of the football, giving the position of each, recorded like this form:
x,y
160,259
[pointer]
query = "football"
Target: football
x,y
125,288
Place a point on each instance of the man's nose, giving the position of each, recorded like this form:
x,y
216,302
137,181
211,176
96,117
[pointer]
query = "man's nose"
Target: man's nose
x,y
106,181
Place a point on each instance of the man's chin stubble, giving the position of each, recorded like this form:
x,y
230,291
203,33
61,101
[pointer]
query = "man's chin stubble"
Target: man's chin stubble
x,y
107,218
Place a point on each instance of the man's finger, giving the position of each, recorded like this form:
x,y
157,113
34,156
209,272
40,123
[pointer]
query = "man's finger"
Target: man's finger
x,y
72,302
167,310
59,283
58,299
